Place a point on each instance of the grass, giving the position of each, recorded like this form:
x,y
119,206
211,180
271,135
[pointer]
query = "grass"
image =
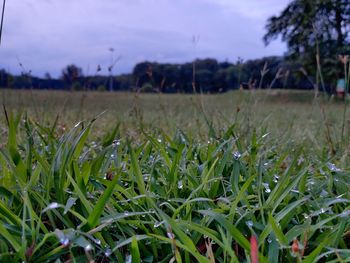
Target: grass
x,y
172,178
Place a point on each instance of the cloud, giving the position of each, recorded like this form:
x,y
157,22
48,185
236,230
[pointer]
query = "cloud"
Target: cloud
x,y
46,35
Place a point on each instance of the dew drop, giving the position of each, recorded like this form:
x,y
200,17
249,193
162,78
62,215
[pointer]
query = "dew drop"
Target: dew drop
x,y
250,223
333,168
300,160
108,252
236,155
157,224
170,235
265,135
267,187
88,247
116,142
53,205
64,241
128,259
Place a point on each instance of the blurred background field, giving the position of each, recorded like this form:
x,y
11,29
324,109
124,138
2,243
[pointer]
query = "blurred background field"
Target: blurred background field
x,y
295,114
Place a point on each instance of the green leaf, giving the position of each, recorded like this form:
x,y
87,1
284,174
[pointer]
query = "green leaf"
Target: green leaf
x,y
135,253
97,211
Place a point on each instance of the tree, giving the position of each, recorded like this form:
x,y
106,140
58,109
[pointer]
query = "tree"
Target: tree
x,y
71,74
311,28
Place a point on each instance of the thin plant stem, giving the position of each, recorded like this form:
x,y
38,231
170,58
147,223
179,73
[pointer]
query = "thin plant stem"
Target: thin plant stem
x,y
345,100
2,18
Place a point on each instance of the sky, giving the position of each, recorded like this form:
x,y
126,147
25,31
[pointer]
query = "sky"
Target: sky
x,y
44,36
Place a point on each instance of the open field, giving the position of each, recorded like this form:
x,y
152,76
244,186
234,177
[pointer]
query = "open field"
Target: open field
x,y
292,112
235,177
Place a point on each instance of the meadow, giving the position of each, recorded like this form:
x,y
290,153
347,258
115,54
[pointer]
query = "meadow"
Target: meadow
x,y
243,176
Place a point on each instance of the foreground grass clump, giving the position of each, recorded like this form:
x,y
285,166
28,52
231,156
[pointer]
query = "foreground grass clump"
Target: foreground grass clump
x,y
64,198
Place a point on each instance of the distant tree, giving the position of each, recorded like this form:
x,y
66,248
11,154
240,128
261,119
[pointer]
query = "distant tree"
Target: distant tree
x,y
232,77
219,81
47,76
3,78
310,28
71,74
205,80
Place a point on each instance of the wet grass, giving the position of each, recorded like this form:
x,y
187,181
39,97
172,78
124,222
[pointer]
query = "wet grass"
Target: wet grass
x,y
173,178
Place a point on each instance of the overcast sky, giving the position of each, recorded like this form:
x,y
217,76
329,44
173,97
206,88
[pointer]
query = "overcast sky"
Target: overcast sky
x,y
47,35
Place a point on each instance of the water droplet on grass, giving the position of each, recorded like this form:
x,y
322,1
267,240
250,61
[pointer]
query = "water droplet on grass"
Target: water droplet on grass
x,y
265,135
158,224
64,241
249,223
88,248
108,252
236,155
295,191
116,142
180,184
146,177
333,168
53,205
170,235
311,182
276,178
300,160
267,188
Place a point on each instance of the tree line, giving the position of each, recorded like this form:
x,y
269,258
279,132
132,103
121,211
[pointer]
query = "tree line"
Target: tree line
x,y
202,75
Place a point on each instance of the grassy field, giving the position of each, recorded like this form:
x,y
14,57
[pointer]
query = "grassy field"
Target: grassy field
x,y
235,177
295,112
